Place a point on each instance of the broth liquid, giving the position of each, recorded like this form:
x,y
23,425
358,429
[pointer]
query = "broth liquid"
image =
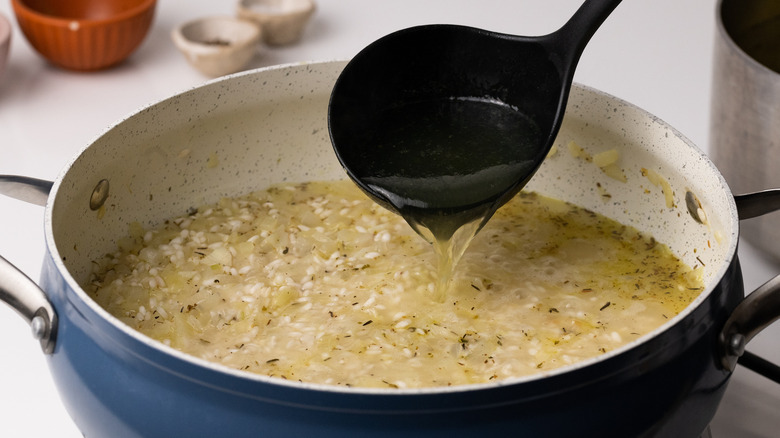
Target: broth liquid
x,y
446,166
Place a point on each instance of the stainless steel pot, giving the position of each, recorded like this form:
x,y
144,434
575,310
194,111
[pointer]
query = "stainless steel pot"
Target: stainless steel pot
x,y
745,108
246,131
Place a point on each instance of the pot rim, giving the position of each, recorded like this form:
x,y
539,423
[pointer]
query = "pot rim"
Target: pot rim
x,y
728,39
135,336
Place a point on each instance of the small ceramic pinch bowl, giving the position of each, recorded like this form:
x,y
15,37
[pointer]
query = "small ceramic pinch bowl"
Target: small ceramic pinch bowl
x,y
217,46
85,34
283,21
5,42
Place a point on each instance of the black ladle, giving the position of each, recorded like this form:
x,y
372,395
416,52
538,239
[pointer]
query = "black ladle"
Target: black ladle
x,y
445,123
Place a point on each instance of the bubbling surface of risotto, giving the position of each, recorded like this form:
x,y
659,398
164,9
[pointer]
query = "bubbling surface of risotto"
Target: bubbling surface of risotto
x,y
317,283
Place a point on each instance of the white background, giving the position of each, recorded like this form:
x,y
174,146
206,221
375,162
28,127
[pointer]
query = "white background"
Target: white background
x,y
656,54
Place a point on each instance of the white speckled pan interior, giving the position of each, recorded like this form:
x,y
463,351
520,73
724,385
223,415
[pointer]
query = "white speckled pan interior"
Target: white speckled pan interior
x,y
249,130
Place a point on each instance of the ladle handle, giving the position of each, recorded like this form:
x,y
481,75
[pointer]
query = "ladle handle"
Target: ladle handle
x,y
573,36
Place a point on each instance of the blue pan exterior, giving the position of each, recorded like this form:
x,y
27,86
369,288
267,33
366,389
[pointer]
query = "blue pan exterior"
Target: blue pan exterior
x,y
115,386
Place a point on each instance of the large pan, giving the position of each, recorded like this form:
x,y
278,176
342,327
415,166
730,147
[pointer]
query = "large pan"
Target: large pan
x,y
246,131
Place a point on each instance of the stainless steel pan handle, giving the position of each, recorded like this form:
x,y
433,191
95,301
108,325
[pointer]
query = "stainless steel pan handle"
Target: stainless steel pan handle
x,y
18,290
34,191
24,296
760,308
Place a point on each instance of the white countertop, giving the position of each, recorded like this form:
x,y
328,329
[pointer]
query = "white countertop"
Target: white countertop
x,y
656,54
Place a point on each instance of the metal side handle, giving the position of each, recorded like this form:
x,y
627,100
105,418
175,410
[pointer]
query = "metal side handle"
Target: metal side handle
x,y
756,312
32,190
756,204
24,296
759,309
18,290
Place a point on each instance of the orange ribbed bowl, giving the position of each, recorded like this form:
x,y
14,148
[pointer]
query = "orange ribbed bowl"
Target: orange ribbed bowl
x,y
84,34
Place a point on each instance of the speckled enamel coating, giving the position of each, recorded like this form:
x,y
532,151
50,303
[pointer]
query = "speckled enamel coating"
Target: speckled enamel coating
x,y
246,131
599,122
242,134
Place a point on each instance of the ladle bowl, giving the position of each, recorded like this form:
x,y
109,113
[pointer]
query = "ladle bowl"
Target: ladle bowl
x,y
382,88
